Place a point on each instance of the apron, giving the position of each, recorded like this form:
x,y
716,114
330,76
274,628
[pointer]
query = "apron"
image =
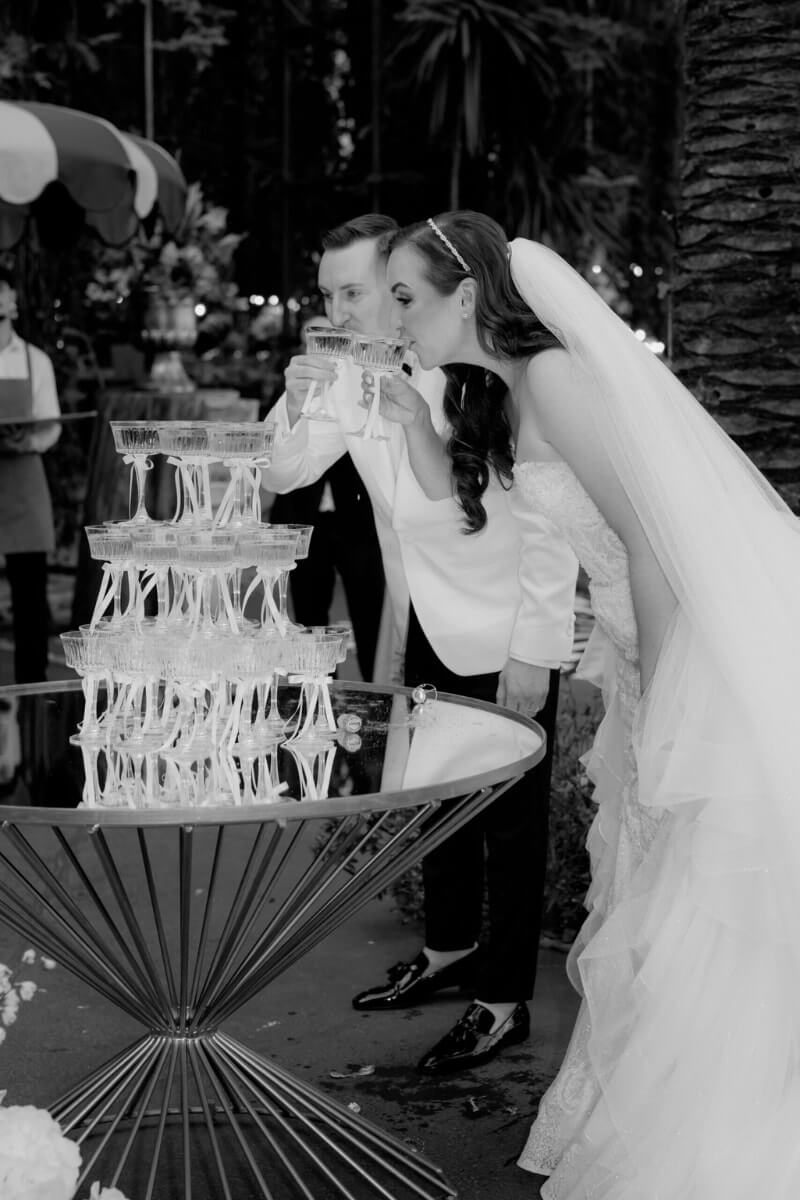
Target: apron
x,y
26,514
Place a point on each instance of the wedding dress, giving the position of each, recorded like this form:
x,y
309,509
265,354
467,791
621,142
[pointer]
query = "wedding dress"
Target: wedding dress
x,y
622,829
683,1053
682,1080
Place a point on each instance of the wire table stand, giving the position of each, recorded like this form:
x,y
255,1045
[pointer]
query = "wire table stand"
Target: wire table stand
x,y
180,922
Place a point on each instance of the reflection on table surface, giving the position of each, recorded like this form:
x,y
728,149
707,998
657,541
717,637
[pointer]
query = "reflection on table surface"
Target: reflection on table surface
x,y
388,752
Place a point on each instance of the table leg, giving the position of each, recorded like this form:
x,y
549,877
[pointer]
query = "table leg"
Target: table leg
x,y
180,926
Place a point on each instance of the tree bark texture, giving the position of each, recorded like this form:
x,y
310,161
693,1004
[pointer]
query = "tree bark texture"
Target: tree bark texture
x,y
736,287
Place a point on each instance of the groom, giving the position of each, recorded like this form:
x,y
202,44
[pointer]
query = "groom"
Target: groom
x,y
487,615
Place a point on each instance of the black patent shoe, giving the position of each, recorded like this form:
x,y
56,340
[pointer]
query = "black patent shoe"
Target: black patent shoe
x,y
407,985
470,1043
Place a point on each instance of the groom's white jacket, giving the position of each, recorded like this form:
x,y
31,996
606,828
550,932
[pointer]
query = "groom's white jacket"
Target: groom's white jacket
x,y
481,598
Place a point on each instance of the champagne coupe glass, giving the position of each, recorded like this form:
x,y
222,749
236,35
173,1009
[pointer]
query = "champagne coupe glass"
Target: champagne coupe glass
x,y
251,664
268,786
272,550
186,445
102,640
312,658
329,342
221,786
244,447
269,726
197,672
378,357
112,545
89,653
92,793
303,534
242,561
236,671
342,630
154,551
137,668
314,761
136,441
206,555
179,789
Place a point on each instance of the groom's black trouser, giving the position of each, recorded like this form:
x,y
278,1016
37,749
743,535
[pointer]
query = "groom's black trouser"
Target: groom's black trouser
x,y
504,849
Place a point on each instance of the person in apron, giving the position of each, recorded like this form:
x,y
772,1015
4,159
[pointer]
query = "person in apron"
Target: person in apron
x,y
27,394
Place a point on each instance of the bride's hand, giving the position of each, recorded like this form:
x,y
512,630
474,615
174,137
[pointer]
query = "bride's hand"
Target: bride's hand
x,y
401,402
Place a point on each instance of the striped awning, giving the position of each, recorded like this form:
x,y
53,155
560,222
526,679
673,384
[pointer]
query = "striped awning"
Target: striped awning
x,y
67,170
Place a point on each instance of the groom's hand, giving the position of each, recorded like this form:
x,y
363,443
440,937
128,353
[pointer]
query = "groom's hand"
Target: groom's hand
x,y
523,687
303,372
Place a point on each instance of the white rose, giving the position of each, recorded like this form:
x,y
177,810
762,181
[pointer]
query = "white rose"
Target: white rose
x,y
106,1193
36,1161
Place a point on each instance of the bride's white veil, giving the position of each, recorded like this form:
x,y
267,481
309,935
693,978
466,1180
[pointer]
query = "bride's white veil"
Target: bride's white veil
x,y
718,743
725,539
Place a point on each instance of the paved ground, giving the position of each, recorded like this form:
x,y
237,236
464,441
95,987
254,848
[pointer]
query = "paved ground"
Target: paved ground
x,y
472,1126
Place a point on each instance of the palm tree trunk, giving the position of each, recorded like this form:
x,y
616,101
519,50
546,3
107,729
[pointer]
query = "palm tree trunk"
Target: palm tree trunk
x,y
375,100
736,289
455,169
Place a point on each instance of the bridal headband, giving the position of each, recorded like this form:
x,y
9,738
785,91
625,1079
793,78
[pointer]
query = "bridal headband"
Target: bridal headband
x,y
444,238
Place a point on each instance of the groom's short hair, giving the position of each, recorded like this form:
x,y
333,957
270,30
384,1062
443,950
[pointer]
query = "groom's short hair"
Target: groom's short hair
x,y
369,227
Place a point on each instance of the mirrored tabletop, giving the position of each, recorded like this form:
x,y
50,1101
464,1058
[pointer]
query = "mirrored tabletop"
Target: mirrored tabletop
x,y
388,752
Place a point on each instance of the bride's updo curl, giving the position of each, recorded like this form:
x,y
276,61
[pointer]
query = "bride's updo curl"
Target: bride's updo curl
x,y
457,246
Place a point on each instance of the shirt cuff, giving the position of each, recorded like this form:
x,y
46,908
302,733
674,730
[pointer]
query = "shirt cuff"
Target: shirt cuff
x,y
542,647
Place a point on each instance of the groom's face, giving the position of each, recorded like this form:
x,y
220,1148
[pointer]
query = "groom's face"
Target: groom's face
x,y
352,283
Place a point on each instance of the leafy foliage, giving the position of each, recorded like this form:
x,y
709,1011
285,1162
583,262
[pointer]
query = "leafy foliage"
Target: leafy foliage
x,y
571,813
198,29
296,115
532,110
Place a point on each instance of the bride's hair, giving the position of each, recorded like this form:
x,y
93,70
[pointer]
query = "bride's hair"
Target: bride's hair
x,y
458,246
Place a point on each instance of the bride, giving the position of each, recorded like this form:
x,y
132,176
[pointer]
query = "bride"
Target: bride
x,y
682,1078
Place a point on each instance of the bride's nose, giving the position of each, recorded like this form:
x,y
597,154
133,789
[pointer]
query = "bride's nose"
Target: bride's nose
x,y
397,320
